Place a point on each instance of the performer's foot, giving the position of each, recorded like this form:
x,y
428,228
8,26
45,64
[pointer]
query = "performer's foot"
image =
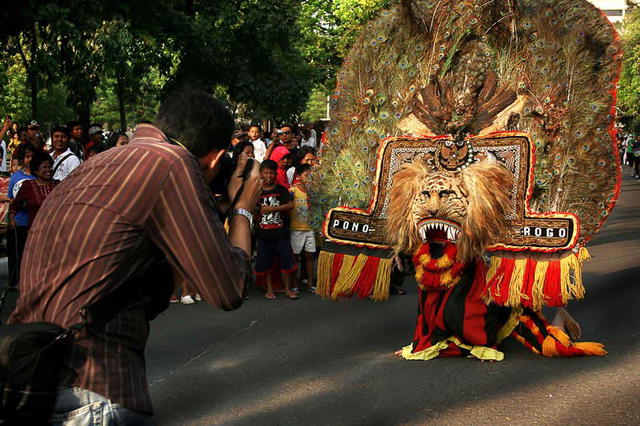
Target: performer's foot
x,y
398,353
566,323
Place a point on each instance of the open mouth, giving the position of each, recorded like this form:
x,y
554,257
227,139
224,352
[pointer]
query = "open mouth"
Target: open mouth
x,y
432,229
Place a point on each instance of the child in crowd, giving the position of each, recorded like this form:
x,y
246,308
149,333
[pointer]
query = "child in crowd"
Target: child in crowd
x,y
302,237
15,165
272,231
283,158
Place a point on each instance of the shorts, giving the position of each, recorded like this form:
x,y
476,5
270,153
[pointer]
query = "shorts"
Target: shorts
x,y
303,240
268,250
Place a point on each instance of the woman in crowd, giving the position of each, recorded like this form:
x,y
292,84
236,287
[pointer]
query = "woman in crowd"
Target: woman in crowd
x,y
33,192
118,139
245,147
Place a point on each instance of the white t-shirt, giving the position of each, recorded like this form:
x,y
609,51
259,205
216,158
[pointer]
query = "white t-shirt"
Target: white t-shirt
x,y
259,150
3,165
69,163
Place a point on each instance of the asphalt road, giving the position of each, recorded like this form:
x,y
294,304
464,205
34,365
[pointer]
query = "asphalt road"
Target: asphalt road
x,y
317,362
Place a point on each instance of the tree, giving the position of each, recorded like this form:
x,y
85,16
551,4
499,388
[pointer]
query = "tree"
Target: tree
x,y
629,86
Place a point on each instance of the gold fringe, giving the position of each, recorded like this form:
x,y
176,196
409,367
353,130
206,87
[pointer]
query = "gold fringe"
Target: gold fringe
x,y
383,280
349,274
571,288
325,266
339,288
515,286
444,262
583,254
537,290
591,348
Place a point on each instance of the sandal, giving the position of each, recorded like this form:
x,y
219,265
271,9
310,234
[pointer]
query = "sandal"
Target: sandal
x,y
270,296
293,296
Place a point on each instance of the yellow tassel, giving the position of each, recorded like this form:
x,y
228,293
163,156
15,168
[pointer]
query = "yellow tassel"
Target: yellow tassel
x,y
419,274
537,290
571,288
583,254
340,288
424,259
493,267
325,265
349,276
560,335
515,286
444,262
383,280
549,347
591,348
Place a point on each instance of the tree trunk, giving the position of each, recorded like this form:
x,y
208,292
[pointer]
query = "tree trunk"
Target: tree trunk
x,y
32,73
120,92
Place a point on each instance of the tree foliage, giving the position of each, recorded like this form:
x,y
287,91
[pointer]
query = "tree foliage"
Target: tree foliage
x,y
112,61
629,86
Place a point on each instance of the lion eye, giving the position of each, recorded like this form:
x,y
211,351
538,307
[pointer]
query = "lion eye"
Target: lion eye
x,y
445,194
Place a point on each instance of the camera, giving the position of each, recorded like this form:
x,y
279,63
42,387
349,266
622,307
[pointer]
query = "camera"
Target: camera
x,y
219,184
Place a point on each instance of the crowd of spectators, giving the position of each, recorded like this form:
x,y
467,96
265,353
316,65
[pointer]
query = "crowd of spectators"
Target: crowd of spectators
x,y
37,163
284,243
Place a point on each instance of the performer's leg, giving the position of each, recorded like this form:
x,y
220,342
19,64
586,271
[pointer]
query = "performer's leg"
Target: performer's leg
x,y
566,323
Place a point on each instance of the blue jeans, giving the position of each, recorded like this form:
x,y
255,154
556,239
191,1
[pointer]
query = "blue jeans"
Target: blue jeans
x,y
81,407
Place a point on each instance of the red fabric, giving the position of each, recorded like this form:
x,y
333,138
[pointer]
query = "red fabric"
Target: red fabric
x,y
499,284
276,156
552,287
365,282
475,313
527,285
335,270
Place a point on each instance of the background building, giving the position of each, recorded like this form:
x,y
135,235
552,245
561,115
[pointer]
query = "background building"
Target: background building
x,y
614,9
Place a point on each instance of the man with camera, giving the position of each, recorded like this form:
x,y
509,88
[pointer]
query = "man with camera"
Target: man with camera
x,y
119,226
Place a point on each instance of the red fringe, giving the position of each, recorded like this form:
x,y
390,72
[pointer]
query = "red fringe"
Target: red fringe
x,y
365,282
335,270
527,285
552,287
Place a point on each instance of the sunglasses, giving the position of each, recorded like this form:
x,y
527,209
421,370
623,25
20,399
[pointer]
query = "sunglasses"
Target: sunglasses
x,y
286,132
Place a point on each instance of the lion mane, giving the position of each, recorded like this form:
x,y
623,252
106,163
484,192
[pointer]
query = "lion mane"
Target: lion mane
x,y
479,202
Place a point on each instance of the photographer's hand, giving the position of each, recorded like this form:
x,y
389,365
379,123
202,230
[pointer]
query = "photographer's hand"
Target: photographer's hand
x,y
238,225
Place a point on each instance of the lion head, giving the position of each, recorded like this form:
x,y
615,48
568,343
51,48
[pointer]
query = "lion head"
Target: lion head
x,y
467,207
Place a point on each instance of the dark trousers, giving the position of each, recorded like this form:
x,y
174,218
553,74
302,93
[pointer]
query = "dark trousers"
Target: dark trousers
x,y
636,161
16,239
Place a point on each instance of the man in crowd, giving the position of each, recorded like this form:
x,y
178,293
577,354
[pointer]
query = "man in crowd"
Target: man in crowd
x,y
75,139
33,135
64,161
118,223
96,143
259,147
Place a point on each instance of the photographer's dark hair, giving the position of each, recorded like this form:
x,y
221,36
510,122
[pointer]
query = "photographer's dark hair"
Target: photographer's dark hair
x,y
197,120
255,125
269,165
38,159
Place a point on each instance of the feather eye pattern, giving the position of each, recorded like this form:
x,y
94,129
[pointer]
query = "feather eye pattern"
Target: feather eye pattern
x,y
460,68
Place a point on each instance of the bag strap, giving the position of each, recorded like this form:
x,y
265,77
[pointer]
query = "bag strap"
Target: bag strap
x,y
62,160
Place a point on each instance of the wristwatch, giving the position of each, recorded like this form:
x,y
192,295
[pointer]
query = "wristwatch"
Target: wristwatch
x,y
245,213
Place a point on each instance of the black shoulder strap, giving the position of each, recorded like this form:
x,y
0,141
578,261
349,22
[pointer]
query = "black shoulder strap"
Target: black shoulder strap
x,y
62,160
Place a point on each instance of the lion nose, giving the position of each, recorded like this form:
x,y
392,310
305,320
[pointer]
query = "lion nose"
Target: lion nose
x,y
433,212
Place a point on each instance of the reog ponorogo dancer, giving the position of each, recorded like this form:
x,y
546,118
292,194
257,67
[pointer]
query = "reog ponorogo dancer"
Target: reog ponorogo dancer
x,y
466,130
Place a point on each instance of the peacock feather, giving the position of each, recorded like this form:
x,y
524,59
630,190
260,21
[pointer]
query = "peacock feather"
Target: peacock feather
x,y
445,67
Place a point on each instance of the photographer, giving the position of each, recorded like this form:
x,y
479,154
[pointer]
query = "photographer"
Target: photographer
x,y
122,222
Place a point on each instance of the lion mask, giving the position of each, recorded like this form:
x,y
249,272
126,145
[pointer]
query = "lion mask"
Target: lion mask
x,y
467,207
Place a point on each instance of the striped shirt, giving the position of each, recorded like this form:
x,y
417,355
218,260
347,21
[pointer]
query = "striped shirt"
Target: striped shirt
x,y
117,214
